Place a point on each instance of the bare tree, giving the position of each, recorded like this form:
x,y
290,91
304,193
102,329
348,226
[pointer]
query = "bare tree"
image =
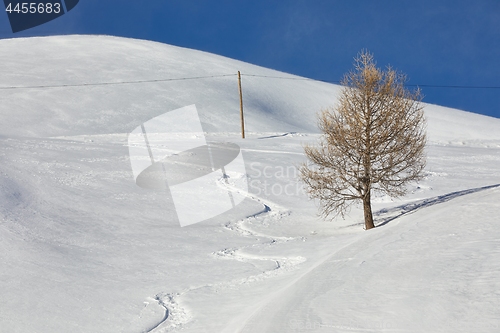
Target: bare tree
x,y
373,140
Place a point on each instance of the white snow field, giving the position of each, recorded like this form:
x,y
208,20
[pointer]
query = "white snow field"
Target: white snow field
x,y
84,249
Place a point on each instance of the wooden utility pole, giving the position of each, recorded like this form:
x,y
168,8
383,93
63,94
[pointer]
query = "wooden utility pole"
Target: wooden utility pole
x,y
241,107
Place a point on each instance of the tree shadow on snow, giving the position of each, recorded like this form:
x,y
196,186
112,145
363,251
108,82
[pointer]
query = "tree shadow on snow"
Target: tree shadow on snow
x,y
386,215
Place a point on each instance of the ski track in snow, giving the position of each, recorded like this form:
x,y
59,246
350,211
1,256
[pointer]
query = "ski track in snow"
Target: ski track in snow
x,y
174,313
176,316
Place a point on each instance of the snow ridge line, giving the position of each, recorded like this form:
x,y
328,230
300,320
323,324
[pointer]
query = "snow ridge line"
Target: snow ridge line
x,y
177,316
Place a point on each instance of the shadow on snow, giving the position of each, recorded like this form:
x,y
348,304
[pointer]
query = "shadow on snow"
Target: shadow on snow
x,y
386,215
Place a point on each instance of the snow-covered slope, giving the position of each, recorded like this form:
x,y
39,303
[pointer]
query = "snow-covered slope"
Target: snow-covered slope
x,y
118,108
83,249
74,60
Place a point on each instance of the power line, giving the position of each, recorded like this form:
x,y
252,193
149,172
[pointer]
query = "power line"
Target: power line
x,y
409,85
113,83
226,75
451,86
280,77
291,78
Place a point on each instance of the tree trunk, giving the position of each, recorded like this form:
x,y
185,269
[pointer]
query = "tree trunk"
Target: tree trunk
x,y
367,207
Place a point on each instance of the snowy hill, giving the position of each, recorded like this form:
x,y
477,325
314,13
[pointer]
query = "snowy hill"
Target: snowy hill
x,y
84,249
117,108
74,60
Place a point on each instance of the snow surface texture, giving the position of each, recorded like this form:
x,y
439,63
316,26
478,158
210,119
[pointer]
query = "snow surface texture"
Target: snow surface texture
x,y
83,249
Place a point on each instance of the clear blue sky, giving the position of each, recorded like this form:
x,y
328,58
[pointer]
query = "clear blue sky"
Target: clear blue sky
x,y
451,43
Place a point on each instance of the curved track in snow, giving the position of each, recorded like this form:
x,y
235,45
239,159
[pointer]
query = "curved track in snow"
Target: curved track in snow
x,y
176,316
